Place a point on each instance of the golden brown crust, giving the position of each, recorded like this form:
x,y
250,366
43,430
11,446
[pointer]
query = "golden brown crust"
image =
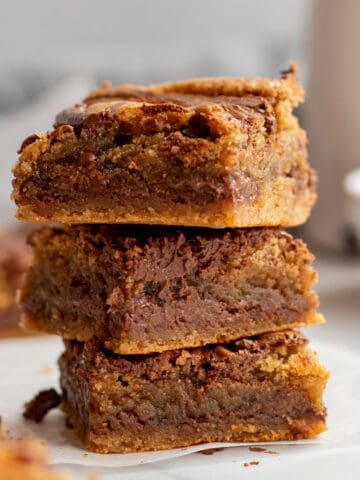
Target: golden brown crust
x,y
287,87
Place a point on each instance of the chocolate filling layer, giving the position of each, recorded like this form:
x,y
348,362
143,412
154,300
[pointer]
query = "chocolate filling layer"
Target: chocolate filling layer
x,y
241,108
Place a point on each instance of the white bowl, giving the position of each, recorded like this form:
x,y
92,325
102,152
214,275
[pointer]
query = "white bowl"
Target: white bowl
x,y
351,186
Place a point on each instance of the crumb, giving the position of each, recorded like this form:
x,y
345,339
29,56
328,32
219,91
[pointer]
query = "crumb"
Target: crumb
x,y
39,406
263,450
254,462
257,449
47,369
84,455
25,458
211,451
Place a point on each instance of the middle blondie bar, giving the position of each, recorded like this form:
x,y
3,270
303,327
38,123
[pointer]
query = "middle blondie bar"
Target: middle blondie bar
x,y
143,289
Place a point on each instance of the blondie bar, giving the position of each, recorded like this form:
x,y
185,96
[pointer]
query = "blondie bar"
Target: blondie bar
x,y
208,152
143,289
259,389
14,260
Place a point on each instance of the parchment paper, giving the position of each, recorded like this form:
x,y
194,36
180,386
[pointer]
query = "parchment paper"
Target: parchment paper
x,y
29,365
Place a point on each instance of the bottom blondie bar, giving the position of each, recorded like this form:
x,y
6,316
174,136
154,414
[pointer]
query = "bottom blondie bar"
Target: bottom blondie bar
x,y
264,388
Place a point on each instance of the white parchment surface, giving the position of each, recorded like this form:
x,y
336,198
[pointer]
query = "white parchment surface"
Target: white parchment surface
x,y
29,365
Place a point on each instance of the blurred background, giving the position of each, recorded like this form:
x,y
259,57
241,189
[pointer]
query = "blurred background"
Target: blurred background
x,y
52,53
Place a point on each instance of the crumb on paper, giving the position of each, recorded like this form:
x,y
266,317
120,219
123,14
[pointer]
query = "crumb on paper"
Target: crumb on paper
x,y
263,450
47,369
257,449
211,451
84,455
248,464
38,407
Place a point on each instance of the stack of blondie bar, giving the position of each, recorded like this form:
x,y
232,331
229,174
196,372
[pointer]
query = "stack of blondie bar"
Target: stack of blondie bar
x,y
176,332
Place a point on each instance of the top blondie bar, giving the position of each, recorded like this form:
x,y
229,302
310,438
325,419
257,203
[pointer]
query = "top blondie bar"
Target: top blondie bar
x,y
213,152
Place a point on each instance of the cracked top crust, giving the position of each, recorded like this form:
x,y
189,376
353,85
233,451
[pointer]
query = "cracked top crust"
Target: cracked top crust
x,y
286,87
235,97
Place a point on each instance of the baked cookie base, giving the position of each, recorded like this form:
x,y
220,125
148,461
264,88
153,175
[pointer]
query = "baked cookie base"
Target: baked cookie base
x,y
260,389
